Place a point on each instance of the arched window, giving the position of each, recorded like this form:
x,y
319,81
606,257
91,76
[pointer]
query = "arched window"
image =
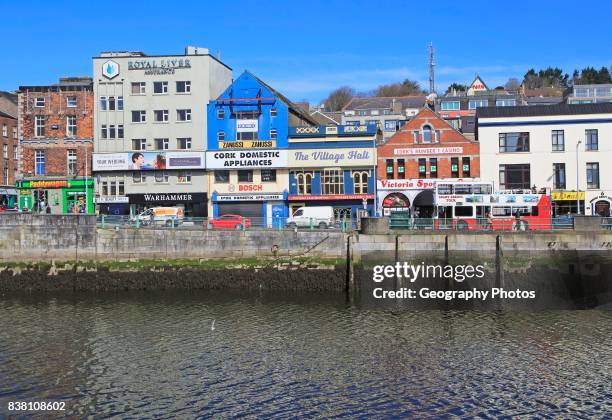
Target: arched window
x,y
427,134
221,135
304,182
360,182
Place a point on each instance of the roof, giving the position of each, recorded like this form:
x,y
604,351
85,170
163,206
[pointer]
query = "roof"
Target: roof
x,y
293,107
542,110
417,101
5,115
544,100
543,92
64,82
327,118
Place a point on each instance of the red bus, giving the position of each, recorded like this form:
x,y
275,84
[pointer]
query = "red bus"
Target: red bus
x,y
477,206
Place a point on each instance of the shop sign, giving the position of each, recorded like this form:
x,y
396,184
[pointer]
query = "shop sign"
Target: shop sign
x,y
247,126
157,66
246,159
111,199
59,183
148,161
167,198
110,69
331,197
405,184
428,151
247,144
567,195
331,157
249,197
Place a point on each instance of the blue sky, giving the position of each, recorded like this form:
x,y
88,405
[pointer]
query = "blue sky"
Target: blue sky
x,y
307,48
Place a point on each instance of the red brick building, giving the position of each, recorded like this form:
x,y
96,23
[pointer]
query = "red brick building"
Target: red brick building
x,y
426,149
9,144
56,144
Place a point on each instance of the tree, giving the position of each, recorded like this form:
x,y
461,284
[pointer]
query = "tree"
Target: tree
x,y
338,98
549,77
405,88
456,87
512,84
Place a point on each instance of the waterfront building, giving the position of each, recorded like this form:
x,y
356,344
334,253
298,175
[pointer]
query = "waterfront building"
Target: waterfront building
x,y
425,150
590,94
9,158
459,107
150,129
333,166
564,148
247,150
55,146
387,114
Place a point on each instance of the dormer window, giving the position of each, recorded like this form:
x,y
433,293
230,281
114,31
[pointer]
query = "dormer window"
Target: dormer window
x,y
427,134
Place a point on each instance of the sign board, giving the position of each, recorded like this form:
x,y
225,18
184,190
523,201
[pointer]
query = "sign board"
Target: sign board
x,y
428,151
405,184
510,199
249,197
309,158
111,199
567,195
331,197
247,144
247,126
167,198
148,161
246,159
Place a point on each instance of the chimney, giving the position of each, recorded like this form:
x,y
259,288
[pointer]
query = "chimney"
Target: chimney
x,y
396,106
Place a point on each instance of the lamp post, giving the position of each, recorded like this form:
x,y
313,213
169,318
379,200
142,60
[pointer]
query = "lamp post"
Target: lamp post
x,y
577,179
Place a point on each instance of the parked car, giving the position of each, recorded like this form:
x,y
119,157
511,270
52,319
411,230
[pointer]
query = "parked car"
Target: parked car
x,y
229,221
320,216
167,216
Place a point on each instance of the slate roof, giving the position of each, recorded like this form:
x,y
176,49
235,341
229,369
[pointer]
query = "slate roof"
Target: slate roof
x,y
543,110
364,103
5,115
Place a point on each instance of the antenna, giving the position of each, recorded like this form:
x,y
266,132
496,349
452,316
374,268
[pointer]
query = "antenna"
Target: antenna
x,y
432,64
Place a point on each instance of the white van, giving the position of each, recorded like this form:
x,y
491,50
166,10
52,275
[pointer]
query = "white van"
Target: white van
x,y
322,217
166,216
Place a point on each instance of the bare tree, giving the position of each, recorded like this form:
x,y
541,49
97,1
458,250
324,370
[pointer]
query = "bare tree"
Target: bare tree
x,y
339,97
512,84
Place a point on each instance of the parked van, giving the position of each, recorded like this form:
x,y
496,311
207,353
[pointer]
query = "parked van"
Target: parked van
x,y
166,216
320,216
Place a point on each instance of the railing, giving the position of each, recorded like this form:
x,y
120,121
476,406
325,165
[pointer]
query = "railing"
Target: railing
x,y
483,224
606,223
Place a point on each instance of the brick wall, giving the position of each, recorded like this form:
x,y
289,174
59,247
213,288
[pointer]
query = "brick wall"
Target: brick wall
x,y
9,141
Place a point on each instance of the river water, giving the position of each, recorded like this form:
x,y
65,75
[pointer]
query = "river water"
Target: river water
x,y
155,354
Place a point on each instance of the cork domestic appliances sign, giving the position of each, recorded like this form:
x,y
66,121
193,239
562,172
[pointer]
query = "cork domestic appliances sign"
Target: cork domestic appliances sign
x,y
246,159
428,151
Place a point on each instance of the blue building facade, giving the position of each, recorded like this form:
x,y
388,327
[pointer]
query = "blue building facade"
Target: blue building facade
x,y
333,166
247,157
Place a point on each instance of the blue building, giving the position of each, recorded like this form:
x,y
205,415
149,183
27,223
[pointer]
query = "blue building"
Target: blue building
x,y
248,127
333,166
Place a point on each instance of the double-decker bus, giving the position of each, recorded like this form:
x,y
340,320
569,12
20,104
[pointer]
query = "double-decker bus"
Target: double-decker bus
x,y
468,205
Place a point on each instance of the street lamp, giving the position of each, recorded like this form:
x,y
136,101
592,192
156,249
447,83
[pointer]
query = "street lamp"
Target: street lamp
x,y
577,180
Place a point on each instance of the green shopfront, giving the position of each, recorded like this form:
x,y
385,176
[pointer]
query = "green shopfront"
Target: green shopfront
x,y
58,196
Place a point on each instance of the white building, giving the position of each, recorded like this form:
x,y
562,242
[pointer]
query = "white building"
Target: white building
x,y
566,148
150,129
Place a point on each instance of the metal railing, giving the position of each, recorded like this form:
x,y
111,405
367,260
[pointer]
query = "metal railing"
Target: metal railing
x,y
481,224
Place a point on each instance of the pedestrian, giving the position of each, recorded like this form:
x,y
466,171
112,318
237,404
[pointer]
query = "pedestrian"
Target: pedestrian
x,y
489,220
517,220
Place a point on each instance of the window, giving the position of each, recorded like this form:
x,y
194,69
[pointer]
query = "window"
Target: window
x,y
304,182
332,181
221,135
455,167
591,140
438,134
478,103
512,177
184,143
119,103
513,142
39,102
351,123
184,177
222,176
558,141
139,116
245,176
160,115
433,167
103,131
427,138
14,132
450,105
120,131
71,126
273,134
390,125
113,188
5,151
505,102
161,177
220,114
401,169
360,182
111,103
39,125
183,115
138,88
390,170
183,87
15,152
559,176
5,130
72,162
160,87
139,144
6,172
592,175
71,102
466,166
139,177
422,168
112,132
162,144
273,112
268,175
464,211
39,157
415,135
103,103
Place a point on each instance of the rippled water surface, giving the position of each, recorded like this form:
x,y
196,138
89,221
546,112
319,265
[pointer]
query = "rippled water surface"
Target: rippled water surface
x,y
155,354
